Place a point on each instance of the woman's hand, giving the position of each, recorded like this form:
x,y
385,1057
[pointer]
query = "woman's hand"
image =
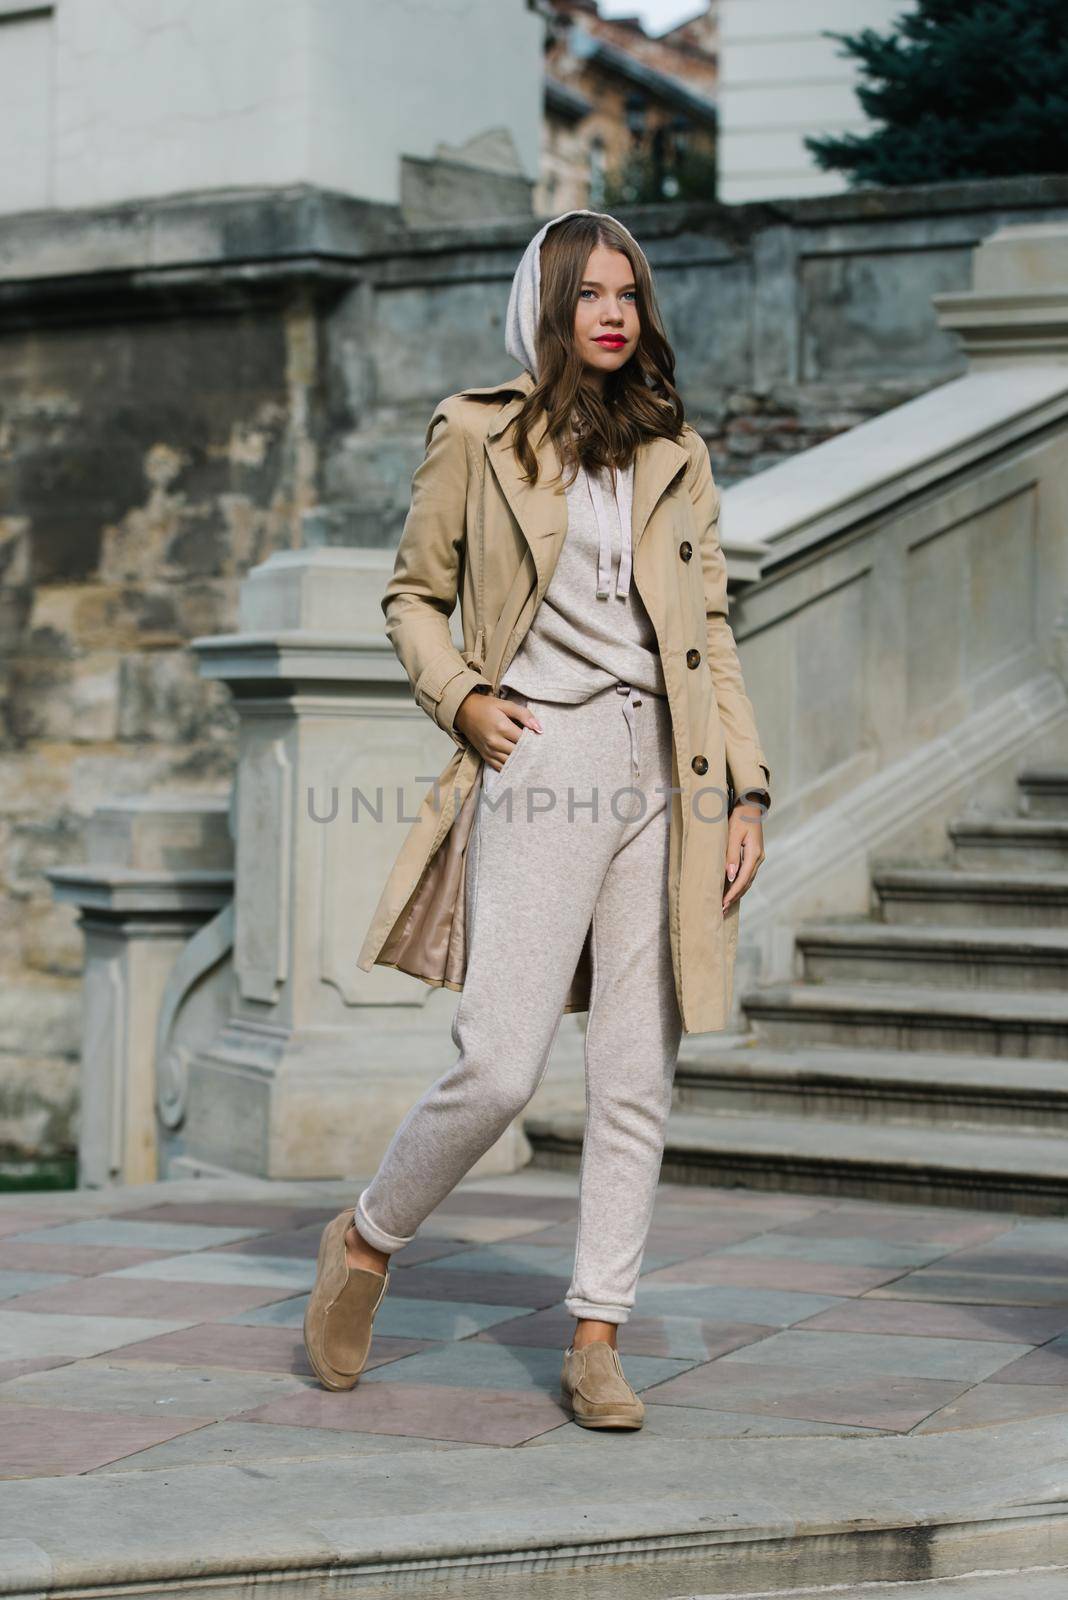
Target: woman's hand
x,y
493,725
745,848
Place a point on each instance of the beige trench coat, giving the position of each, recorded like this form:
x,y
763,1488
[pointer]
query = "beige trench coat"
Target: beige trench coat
x,y
476,531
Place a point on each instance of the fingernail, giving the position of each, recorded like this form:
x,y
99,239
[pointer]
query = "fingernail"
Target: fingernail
x,y
732,872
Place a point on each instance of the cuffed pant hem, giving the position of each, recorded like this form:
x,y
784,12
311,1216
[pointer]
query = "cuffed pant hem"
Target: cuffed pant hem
x,y
587,1308
376,1236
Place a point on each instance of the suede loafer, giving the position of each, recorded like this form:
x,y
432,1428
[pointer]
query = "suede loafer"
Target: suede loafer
x,y
592,1379
341,1310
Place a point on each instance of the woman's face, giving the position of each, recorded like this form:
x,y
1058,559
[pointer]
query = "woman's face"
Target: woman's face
x,y
606,316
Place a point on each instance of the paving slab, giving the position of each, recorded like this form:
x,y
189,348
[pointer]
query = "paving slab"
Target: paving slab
x,y
424,1410
973,1288
810,1394
517,1289
285,1313
107,1388
14,1283
1032,1233
1023,1324
1047,1366
488,1230
803,1417
775,1308
693,1422
757,1272
776,1210
254,1215
535,1259
472,1364
438,1319
873,1354
75,1260
842,1250
989,1403
1000,1259
167,1236
29,1333
904,1223
228,1443
15,1369
32,1213
109,1295
206,1266
38,1442
248,1349
688,1338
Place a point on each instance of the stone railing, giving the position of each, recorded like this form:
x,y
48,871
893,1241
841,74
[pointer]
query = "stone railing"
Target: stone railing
x,y
904,644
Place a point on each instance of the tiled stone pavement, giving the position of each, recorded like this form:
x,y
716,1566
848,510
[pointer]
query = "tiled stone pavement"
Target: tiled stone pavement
x,y
142,1335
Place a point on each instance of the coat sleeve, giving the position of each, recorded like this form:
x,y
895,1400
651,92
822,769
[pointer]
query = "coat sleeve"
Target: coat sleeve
x,y
421,595
747,765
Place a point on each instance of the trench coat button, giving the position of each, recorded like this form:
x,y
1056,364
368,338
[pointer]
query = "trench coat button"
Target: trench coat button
x,y
693,658
686,549
700,764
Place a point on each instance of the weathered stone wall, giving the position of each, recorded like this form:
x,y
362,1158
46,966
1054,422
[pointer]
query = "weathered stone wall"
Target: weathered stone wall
x,y
185,381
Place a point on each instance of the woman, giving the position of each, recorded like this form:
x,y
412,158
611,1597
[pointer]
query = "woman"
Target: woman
x,y
589,866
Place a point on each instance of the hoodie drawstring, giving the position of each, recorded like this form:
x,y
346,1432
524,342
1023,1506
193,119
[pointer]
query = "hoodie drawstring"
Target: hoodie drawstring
x,y
633,699
604,528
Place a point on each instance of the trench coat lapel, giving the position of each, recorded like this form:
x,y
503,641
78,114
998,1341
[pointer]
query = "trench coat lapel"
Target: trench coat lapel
x,y
541,509
655,467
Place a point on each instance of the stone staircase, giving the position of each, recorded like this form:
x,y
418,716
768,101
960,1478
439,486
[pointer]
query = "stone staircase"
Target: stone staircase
x,y
922,1052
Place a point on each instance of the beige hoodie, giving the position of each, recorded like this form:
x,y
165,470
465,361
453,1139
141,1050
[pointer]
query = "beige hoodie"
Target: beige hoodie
x,y
588,633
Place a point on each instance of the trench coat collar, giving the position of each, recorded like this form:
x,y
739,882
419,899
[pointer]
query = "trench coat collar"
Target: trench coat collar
x,y
541,509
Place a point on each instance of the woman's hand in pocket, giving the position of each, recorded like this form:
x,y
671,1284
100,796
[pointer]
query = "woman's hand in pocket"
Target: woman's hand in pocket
x,y
493,725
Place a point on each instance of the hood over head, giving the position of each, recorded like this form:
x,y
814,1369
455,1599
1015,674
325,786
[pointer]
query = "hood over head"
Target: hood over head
x,y
524,309
524,301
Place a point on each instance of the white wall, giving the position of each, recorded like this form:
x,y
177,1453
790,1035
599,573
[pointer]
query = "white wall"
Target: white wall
x,y
26,96
780,80
108,100
402,75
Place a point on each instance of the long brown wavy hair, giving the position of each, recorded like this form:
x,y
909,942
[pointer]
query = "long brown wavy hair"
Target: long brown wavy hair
x,y
640,400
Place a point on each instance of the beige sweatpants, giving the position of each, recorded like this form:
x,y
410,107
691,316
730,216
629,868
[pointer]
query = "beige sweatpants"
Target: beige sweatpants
x,y
573,829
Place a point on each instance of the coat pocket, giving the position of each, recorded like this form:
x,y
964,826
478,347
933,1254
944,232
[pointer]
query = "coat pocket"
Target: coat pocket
x,y
491,777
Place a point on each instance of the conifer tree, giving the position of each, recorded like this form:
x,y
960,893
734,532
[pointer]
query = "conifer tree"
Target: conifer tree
x,y
958,89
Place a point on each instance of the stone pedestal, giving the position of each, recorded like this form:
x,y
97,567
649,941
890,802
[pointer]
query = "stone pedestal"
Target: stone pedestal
x,y
319,1061
1017,308
159,873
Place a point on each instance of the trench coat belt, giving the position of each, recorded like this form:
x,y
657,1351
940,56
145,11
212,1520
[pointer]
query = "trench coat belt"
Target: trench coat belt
x,y
633,699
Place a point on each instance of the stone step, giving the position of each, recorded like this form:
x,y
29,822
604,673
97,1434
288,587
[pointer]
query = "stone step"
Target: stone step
x,y
1030,842
967,897
1033,1583
894,1016
591,1517
877,1086
1043,791
858,949
1019,1171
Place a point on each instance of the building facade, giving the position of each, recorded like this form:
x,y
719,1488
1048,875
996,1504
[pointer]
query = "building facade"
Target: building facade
x,y
781,78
